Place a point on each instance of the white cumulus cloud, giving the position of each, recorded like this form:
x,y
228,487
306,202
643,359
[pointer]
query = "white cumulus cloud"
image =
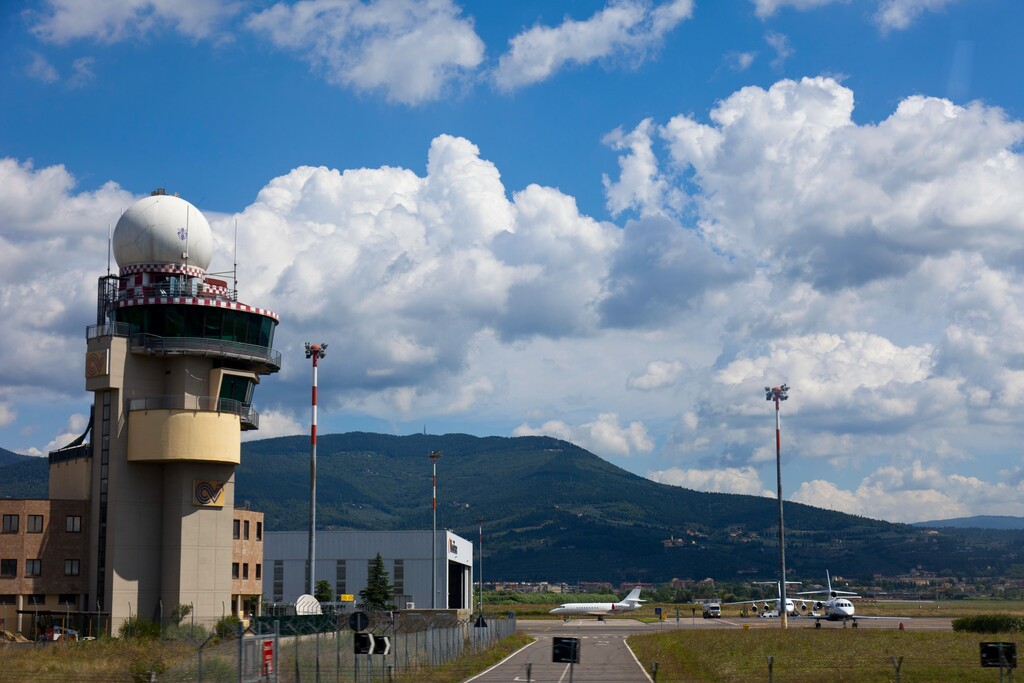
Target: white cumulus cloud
x,y
408,49
626,28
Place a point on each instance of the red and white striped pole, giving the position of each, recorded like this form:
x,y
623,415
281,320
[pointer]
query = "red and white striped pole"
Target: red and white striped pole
x,y
434,457
316,352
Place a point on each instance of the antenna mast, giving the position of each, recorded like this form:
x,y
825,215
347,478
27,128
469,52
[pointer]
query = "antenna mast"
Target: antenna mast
x,y
234,270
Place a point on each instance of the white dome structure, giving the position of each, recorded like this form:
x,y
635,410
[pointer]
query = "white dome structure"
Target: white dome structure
x,y
163,229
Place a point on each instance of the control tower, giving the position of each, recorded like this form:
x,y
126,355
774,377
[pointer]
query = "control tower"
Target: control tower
x,y
173,361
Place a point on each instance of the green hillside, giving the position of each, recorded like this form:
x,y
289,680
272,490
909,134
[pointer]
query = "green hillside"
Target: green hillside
x,y
553,511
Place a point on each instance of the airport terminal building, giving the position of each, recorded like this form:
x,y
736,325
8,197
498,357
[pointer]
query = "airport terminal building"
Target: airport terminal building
x,y
344,557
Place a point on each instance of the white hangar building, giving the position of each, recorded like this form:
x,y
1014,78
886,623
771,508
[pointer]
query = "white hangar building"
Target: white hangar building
x,y
344,557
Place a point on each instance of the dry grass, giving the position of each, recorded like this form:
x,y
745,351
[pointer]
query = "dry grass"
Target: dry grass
x,y
810,655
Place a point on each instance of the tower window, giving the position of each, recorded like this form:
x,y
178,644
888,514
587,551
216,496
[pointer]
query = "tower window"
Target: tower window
x,y
8,568
35,524
74,523
33,567
11,524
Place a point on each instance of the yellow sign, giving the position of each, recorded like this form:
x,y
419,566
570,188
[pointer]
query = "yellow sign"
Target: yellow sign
x,y
97,364
345,597
206,493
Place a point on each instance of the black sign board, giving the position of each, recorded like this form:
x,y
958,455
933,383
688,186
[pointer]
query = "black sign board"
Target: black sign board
x,y
381,645
358,621
565,650
1001,655
362,643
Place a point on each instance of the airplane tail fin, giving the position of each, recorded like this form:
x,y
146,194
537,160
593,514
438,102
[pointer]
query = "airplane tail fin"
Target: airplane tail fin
x,y
634,596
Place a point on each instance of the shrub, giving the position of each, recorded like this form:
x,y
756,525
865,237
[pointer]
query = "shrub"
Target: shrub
x,y
227,627
139,627
989,623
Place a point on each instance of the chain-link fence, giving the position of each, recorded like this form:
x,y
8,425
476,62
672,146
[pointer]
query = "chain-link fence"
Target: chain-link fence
x,y
323,648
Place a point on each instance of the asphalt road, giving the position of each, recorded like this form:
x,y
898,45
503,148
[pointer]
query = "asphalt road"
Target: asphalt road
x,y
605,657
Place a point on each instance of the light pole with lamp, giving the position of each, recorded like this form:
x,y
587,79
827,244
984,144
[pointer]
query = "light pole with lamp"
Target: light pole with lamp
x,y
316,352
434,457
779,394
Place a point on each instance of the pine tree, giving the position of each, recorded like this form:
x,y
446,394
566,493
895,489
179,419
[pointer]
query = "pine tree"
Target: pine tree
x,y
323,592
378,592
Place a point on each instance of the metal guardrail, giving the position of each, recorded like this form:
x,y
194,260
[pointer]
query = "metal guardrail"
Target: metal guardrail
x,y
154,344
108,330
247,413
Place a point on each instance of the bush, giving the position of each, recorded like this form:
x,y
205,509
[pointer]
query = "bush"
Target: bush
x,y
139,627
989,623
227,627
193,632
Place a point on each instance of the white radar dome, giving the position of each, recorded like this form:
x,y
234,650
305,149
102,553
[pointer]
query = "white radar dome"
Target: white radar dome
x,y
163,228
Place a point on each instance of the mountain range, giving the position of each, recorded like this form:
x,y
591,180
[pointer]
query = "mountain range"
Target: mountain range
x,y
553,511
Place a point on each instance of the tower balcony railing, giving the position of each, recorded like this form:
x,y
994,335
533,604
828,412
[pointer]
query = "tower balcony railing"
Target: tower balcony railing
x,y
108,330
203,346
249,416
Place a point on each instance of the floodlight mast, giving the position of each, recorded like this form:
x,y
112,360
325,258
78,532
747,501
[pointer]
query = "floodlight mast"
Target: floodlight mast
x,y
316,352
434,457
779,394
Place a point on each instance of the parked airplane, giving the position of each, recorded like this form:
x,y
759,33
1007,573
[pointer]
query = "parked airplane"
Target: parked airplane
x,y
600,609
770,608
837,607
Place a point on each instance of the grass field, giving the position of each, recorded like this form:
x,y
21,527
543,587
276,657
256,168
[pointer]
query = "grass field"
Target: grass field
x,y
810,656
946,608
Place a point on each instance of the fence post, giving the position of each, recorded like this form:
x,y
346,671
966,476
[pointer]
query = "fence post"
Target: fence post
x,y
240,631
771,666
897,664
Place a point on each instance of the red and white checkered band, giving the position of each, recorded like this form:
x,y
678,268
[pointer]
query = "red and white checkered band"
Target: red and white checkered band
x,y
215,290
196,301
171,268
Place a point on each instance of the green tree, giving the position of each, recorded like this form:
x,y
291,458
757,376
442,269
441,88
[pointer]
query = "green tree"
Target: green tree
x,y
378,591
180,611
323,592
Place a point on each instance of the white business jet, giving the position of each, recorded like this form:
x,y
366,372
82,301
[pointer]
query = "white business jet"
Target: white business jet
x,y
600,609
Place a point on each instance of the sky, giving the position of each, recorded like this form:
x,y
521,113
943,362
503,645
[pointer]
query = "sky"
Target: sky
x,y
611,222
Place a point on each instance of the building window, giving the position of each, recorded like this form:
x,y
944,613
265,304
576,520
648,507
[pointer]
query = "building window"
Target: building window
x,y
8,569
8,599
71,567
33,567
278,580
235,526
67,599
35,524
234,570
37,599
245,571
245,533
259,531
74,524
259,571
10,524
340,579
399,577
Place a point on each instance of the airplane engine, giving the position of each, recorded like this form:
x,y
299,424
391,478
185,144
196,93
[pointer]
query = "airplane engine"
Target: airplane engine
x,y
767,606
819,605
803,606
833,594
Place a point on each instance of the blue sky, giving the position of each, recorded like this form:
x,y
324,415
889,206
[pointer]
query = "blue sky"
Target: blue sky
x,y
610,222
